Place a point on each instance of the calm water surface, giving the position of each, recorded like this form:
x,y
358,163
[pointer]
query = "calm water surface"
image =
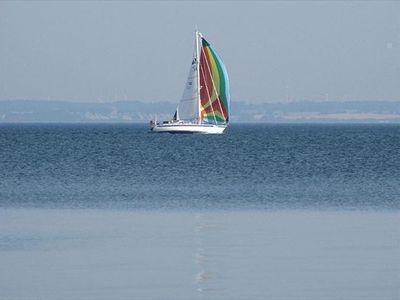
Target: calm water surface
x,y
263,212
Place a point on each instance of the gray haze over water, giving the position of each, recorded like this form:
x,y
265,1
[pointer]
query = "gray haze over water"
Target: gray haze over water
x,y
274,51
283,255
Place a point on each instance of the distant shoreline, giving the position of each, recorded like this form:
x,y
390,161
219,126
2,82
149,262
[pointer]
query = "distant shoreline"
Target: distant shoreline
x,y
51,111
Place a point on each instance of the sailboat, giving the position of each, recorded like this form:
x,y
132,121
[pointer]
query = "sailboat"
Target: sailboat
x,y
205,103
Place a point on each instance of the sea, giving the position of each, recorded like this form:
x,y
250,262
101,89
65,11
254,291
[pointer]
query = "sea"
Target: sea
x,y
264,211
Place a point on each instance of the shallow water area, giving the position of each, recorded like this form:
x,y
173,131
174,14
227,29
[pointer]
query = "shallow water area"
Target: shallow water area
x,y
113,254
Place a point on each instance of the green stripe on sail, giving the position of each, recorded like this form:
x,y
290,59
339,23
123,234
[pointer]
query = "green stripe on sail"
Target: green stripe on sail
x,y
217,115
223,79
205,43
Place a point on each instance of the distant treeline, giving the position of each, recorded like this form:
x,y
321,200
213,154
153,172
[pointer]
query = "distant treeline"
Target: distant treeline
x,y
140,112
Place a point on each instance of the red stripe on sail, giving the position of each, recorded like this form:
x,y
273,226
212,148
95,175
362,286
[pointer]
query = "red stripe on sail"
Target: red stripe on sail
x,y
206,85
207,89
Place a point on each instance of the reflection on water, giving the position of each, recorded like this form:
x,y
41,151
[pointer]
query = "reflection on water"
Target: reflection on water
x,y
208,275
280,255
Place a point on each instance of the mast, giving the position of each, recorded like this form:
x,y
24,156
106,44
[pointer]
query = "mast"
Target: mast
x,y
198,76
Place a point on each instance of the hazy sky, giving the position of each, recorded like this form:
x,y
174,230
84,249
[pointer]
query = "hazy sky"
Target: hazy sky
x,y
274,51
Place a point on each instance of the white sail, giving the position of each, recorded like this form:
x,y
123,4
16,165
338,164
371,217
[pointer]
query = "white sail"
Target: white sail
x,y
188,106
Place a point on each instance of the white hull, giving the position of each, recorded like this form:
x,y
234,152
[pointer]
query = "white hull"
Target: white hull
x,y
189,128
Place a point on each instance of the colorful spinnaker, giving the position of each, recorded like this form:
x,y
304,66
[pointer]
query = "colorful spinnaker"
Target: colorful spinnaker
x,y
214,86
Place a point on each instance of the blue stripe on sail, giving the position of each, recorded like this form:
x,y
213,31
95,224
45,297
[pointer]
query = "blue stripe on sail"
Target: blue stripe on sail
x,y
226,79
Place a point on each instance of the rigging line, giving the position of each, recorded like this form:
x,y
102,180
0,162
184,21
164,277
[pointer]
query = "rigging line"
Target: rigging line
x,y
198,34
208,92
215,90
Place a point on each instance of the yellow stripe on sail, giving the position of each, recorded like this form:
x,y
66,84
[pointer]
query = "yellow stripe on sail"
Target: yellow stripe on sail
x,y
215,75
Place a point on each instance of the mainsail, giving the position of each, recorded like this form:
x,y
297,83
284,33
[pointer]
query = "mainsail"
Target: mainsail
x,y
206,95
188,106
